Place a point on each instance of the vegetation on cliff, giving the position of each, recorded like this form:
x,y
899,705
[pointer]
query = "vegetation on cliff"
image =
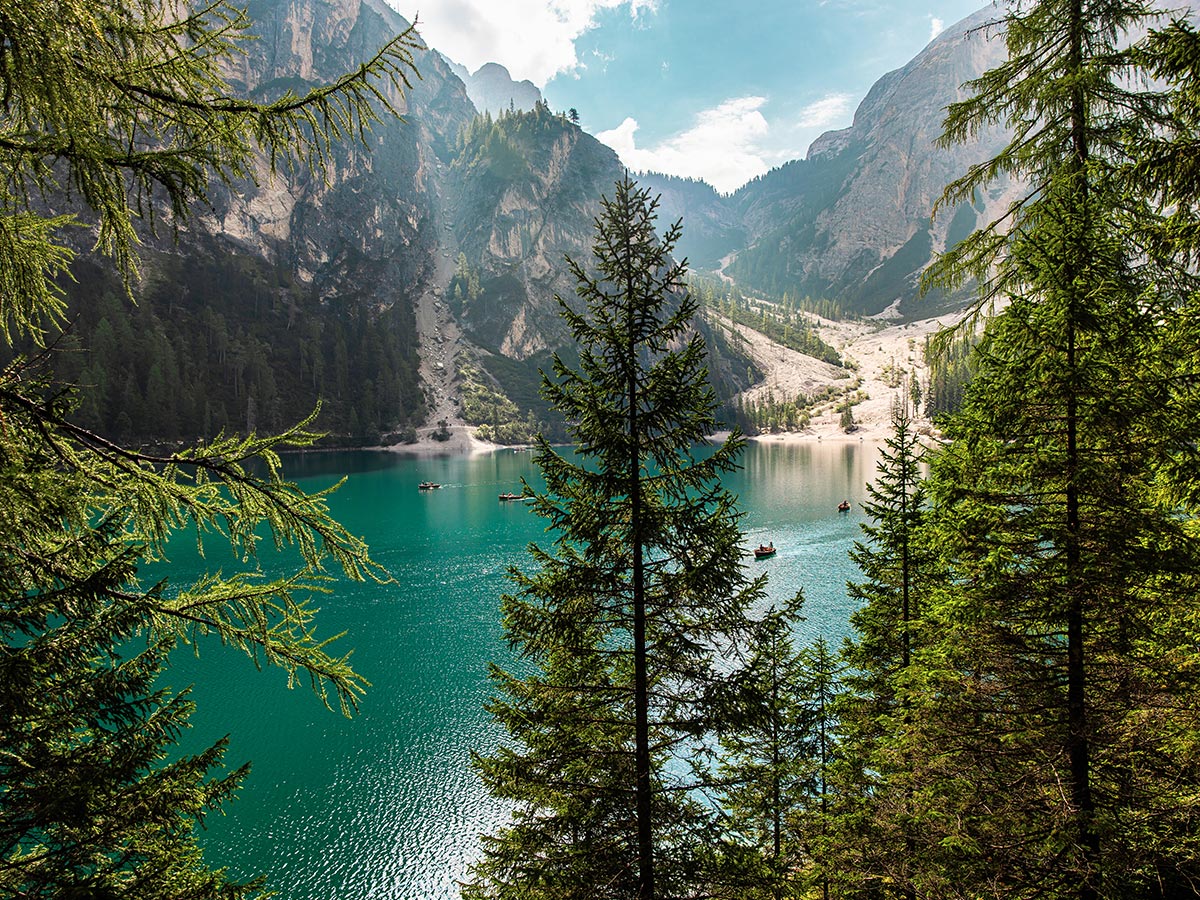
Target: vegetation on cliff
x,y
126,103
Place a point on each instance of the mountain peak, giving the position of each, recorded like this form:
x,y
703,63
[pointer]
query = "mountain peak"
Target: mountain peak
x,y
492,89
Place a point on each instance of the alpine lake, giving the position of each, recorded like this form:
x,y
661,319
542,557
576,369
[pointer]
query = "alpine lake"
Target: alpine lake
x,y
385,804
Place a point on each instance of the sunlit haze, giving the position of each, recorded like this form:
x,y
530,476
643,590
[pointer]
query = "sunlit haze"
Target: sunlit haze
x,y
689,87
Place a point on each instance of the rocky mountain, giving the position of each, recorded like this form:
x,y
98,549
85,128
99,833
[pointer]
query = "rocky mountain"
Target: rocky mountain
x,y
851,222
520,188
493,90
415,281
299,289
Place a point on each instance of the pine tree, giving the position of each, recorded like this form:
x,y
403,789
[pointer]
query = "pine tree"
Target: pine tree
x,y
623,623
777,767
1063,567
124,105
894,559
767,766
92,803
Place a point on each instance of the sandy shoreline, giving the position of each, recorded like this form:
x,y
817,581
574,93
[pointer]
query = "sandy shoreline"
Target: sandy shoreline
x,y
875,349
463,441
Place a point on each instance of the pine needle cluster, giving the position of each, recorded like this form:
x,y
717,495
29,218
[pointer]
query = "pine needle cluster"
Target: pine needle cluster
x,y
114,117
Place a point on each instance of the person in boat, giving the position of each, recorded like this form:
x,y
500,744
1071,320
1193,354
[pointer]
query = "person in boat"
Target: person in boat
x,y
766,548
844,506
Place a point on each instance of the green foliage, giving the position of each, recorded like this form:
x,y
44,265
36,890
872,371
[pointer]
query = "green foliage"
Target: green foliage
x,y
776,767
241,347
875,825
92,803
773,414
950,361
499,419
783,323
1065,577
846,419
500,148
621,623
125,104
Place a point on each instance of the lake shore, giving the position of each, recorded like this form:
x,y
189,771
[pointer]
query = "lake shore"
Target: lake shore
x,y
464,442
461,442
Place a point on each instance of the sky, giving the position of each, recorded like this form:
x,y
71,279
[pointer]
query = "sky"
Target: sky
x,y
699,88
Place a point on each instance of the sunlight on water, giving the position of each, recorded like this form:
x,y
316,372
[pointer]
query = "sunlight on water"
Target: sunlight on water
x,y
386,805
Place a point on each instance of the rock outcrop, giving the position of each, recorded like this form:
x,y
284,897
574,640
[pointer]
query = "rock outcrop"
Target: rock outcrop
x,y
493,90
852,221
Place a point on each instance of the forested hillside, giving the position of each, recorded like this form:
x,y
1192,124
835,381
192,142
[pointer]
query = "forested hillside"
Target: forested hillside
x,y
223,342
851,222
1016,713
315,280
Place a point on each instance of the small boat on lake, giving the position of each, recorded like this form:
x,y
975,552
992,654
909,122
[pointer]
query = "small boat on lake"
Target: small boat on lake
x,y
428,486
844,506
511,496
764,550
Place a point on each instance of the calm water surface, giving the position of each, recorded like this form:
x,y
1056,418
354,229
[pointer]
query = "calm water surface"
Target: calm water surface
x,y
386,805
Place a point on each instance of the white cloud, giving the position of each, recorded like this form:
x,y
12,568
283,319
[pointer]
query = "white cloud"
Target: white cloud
x,y
533,39
723,146
936,27
827,111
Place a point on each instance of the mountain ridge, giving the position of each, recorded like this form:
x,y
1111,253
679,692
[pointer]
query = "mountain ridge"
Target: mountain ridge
x,y
343,289
851,221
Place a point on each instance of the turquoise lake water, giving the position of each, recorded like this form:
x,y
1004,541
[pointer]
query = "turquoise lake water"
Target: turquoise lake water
x,y
385,805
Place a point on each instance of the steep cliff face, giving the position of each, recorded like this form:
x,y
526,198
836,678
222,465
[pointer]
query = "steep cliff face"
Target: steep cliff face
x,y
525,189
294,289
367,228
301,288
852,222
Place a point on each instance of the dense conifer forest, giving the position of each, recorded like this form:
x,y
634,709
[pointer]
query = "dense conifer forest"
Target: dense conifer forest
x,y
218,342
1017,711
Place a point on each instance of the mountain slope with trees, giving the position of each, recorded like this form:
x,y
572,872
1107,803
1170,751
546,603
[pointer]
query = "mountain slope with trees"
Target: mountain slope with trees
x,y
299,289
96,798
851,221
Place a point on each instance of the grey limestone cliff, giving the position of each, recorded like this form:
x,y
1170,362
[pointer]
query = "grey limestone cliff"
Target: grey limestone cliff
x,y
852,221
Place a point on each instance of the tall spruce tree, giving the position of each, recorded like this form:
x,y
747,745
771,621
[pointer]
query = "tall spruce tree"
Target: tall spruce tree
x,y
894,558
767,766
120,111
623,624
1064,570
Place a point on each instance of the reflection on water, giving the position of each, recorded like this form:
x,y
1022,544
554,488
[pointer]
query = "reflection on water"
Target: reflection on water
x,y
386,805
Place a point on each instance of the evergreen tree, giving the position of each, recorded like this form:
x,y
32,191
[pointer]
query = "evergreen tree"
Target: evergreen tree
x,y
1063,567
894,559
766,765
92,805
820,686
623,623
778,767
125,105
